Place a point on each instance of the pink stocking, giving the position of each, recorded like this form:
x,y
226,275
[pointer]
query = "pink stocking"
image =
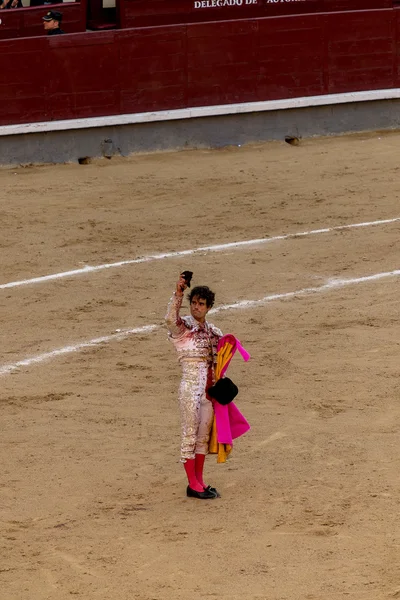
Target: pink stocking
x,y
199,466
190,469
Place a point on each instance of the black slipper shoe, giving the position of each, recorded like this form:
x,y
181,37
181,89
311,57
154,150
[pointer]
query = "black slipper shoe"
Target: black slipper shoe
x,y
213,490
206,495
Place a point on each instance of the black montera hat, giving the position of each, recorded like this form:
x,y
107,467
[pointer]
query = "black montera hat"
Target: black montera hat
x,y
224,391
52,15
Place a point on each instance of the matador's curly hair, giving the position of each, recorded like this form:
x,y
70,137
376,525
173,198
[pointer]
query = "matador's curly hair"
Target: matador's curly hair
x,y
203,292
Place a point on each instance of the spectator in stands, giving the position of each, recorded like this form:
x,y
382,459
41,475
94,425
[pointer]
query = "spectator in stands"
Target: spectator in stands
x,y
51,22
11,4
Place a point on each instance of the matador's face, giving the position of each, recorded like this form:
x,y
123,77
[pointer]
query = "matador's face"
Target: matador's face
x,y
199,309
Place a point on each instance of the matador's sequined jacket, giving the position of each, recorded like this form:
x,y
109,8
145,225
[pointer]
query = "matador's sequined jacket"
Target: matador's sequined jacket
x,y
193,341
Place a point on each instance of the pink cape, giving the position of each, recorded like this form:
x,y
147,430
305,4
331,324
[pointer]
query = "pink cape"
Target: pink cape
x,y
230,422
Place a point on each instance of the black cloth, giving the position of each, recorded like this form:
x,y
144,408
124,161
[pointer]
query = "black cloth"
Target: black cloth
x,y
224,391
57,31
44,2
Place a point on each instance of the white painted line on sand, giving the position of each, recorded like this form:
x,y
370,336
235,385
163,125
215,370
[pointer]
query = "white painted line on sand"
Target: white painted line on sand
x,y
115,337
214,248
331,284
243,304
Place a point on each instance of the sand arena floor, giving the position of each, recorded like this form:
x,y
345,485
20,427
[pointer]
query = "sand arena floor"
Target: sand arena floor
x,y
92,495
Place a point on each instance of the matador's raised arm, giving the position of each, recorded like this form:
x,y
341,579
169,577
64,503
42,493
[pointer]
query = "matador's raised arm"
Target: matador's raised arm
x,y
174,322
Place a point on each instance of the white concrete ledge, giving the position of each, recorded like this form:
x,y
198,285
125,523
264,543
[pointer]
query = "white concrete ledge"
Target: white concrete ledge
x,y
202,111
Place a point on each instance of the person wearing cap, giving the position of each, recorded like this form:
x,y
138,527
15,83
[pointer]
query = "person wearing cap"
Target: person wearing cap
x,y
51,22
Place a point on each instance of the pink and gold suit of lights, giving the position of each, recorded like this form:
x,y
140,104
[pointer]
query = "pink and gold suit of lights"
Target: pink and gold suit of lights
x,y
196,345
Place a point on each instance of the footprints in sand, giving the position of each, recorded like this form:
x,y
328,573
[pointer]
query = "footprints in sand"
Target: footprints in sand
x,y
119,511
32,399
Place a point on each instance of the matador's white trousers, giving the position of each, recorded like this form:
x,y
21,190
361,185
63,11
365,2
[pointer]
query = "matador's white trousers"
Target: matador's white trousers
x,y
195,409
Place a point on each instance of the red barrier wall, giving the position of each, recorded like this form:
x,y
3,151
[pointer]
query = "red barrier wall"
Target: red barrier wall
x,y
140,70
27,22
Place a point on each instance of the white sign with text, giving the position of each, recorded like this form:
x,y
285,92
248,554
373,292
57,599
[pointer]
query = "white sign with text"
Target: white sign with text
x,y
220,3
